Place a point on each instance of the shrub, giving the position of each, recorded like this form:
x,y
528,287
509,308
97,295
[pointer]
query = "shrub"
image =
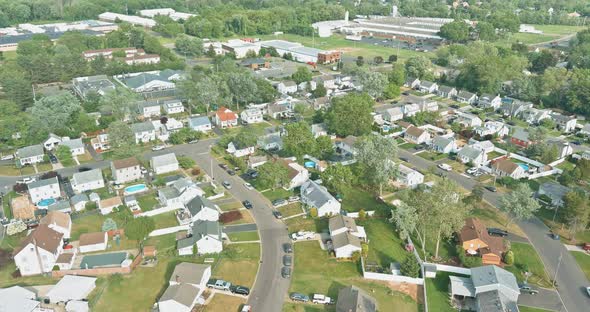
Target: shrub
x,y
313,212
468,261
109,225
20,188
356,256
365,250
362,215
509,257
90,205
159,182
115,279
230,216
185,162
410,266
55,268
196,171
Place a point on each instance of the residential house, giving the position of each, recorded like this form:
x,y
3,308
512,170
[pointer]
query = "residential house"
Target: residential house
x,y
225,118
466,97
489,288
256,161
443,144
39,251
410,110
172,107
60,205
534,116
52,142
412,83
487,100
200,123
91,242
468,120
44,189
446,92
251,116
179,193
408,176
185,287
521,138
354,299
565,123
106,206
202,209
345,245
287,87
236,149
126,170
148,109
270,142
328,81
317,196
564,149
319,130
586,129
87,180
321,103
71,288
205,235
79,201
416,135
492,128
392,114
152,83
164,163
76,146
29,155
485,146
513,108
84,86
297,174
428,87
472,155
554,191
59,222
346,146
475,240
339,224
506,168
428,106
144,132
101,142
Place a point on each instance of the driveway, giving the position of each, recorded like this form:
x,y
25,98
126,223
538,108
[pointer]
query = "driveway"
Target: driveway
x,y
570,278
547,299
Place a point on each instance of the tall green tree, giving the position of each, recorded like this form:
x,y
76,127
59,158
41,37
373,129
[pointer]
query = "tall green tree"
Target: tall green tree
x,y
302,74
519,204
376,155
350,115
455,31
189,46
273,175
54,113
373,83
338,178
419,67
122,140
299,140
577,211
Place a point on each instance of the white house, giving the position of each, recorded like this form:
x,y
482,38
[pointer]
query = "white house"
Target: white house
x,y
565,123
200,123
393,114
297,174
346,236
410,110
173,107
564,148
443,144
490,101
44,189
287,87
412,83
148,109
446,92
225,118
466,97
339,224
251,116
202,209
428,86
87,180
58,221
346,146
534,116
17,298
317,196
319,130
185,288
485,146
71,288
52,142
79,201
106,206
179,193
126,170
469,154
345,245
144,132
240,151
468,120
164,163
409,177
101,142
492,128
416,135
205,235
507,168
39,251
29,155
91,242
76,146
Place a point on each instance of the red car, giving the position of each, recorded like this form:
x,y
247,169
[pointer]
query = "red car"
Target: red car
x,y
586,246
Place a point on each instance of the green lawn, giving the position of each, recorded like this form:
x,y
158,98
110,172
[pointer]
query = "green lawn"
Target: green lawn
x,y
433,156
7,280
87,224
385,246
231,206
446,251
165,220
566,165
165,244
315,271
437,292
529,309
290,209
305,223
10,170
238,264
559,29
277,194
494,154
408,146
42,167
583,261
356,199
6,204
243,236
493,217
147,201
525,255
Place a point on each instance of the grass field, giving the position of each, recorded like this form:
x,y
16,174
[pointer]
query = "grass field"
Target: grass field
x,y
231,206
290,209
559,29
526,256
225,303
355,199
239,264
529,309
304,223
147,201
583,261
165,220
10,170
438,293
492,217
243,236
385,246
246,218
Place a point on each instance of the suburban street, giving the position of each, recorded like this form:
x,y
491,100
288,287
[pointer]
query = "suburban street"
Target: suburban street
x,y
571,280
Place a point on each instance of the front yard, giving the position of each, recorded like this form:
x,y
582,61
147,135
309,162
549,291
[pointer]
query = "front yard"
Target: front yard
x,y
583,260
306,223
224,303
243,236
238,264
432,156
290,209
525,256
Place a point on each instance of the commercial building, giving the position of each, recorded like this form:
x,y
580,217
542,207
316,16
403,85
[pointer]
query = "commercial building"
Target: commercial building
x,y
403,28
175,16
240,47
301,53
134,20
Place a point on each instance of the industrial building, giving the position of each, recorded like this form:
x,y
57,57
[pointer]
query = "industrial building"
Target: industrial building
x,y
301,53
134,20
240,47
402,28
175,16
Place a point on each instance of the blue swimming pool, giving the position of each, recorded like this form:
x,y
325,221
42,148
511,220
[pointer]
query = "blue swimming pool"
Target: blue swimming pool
x,y
46,202
524,166
137,188
309,164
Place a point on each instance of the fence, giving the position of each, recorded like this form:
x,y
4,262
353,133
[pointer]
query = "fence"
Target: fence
x,y
390,277
151,213
100,271
452,269
544,173
557,162
169,230
356,214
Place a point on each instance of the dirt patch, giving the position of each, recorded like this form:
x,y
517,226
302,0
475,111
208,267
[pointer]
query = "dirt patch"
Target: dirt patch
x,y
412,290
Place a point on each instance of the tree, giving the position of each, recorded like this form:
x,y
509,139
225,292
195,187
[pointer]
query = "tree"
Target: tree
x,y
350,115
576,211
364,250
419,67
185,135
203,91
377,155
119,103
319,91
186,162
391,91
109,225
324,147
302,74
378,59
373,83
273,175
338,178
360,61
405,217
122,140
549,153
486,31
397,75
542,60
455,31
313,212
242,87
139,228
509,257
477,193
392,58
519,204
299,140
64,154
245,138
410,266
54,113
189,46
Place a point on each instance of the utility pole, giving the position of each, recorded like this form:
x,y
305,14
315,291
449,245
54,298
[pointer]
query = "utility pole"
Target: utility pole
x,y
557,269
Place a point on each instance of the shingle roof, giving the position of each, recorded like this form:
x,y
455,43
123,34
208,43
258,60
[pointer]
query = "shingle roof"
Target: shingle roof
x,y
201,229
474,229
44,237
442,142
505,165
225,114
73,144
143,127
59,206
196,204
58,218
491,274
340,221
30,151
470,152
316,194
184,294
198,121
345,239
78,198
40,183
521,134
465,94
164,160
144,78
445,89
414,131
87,176
354,299
92,238
125,163
190,273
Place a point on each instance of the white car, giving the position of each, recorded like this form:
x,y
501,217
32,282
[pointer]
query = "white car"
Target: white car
x,y
27,180
7,157
248,186
246,308
445,167
302,235
158,147
321,299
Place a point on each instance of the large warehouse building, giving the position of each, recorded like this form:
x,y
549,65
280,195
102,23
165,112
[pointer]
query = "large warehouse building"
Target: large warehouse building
x,y
398,27
301,53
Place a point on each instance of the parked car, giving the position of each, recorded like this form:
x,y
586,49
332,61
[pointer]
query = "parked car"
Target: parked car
x,y
287,260
302,235
445,167
219,284
277,214
83,169
299,297
525,288
497,232
223,166
403,159
231,172
491,188
226,184
158,147
286,273
321,299
588,290
292,199
554,236
248,186
193,141
471,170
7,157
279,202
247,204
252,174
240,290
27,180
52,159
287,247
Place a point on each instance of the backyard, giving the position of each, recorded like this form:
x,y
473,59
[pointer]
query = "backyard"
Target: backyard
x,y
385,246
525,256
147,201
290,209
355,199
438,293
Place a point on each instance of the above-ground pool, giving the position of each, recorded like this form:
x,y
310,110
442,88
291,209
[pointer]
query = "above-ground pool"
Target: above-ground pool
x,y
137,188
309,164
103,260
524,166
46,202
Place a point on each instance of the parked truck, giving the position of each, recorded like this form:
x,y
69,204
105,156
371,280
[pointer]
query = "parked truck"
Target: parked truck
x,y
321,299
219,284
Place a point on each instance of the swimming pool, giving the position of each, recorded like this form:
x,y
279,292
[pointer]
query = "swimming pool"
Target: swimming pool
x,y
103,260
524,166
309,164
134,189
46,202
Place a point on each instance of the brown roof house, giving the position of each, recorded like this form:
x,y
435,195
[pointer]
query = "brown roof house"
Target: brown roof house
x,y
90,242
22,208
58,221
126,170
416,135
475,240
506,168
106,206
39,251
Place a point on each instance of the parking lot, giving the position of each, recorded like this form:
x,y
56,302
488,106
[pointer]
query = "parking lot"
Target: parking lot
x,y
420,45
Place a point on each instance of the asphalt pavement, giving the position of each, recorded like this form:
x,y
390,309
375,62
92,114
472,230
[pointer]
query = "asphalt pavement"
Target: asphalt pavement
x,y
571,281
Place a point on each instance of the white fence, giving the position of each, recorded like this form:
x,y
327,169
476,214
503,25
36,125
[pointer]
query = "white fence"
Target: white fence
x,y
392,278
452,269
151,213
216,196
356,214
545,173
169,230
557,162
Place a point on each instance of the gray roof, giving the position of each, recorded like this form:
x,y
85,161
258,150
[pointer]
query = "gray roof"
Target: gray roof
x,y
164,160
87,176
465,94
30,151
198,203
198,121
98,84
354,299
144,104
142,127
495,301
445,89
191,273
144,78
315,194
17,298
553,189
562,118
73,144
40,183
60,205
521,135
184,294
185,242
491,274
201,229
470,152
169,192
345,239
340,221
289,83
79,198
441,142
427,84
